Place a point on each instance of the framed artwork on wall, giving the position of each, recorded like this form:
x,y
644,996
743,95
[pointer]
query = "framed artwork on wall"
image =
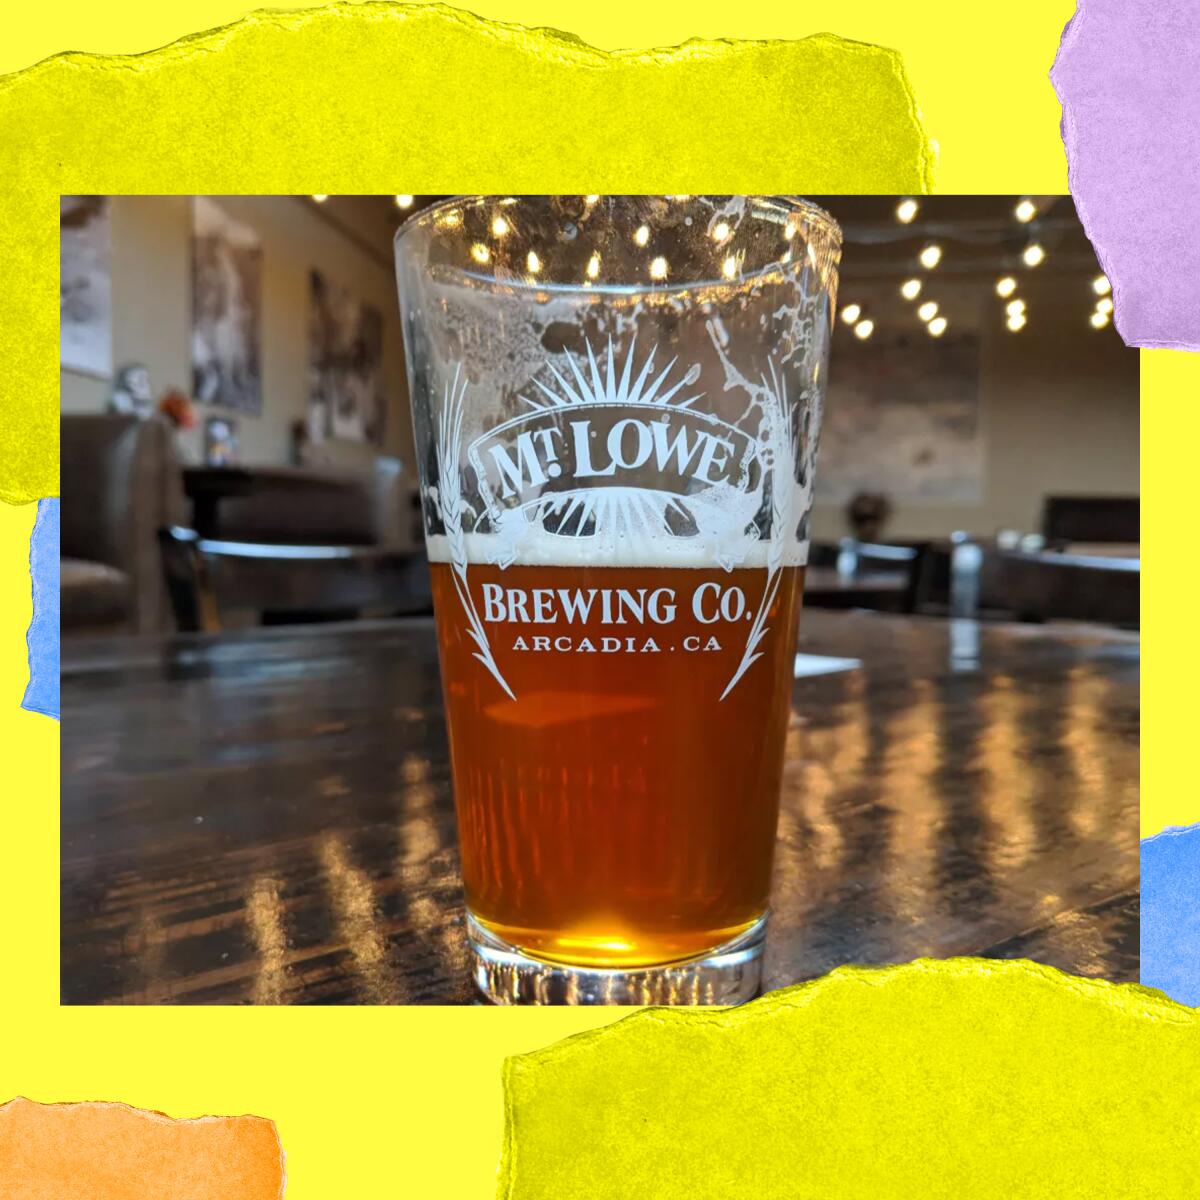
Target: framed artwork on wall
x,y
226,310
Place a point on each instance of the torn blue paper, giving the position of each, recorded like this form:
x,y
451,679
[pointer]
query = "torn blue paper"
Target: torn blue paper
x,y
41,695
1171,913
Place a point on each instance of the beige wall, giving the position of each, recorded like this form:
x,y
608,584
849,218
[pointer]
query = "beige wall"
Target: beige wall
x,y
1059,410
1058,402
151,285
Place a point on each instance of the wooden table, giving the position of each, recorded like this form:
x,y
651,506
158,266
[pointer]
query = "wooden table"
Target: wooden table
x,y
267,817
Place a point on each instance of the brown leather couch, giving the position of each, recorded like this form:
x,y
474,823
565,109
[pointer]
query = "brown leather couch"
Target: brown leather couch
x,y
121,482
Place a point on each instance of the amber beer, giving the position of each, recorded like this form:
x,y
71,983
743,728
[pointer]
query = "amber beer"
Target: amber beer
x,y
616,811
617,407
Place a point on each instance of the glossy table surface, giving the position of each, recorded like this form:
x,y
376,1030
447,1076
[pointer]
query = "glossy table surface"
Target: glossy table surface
x,y
267,817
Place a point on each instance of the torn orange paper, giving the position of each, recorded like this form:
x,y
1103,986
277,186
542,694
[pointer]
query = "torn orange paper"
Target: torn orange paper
x,y
114,1152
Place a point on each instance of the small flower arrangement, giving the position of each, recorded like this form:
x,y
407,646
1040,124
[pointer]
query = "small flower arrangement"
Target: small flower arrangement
x,y
178,409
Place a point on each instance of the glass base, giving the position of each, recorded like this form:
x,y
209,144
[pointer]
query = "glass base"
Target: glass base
x,y
730,974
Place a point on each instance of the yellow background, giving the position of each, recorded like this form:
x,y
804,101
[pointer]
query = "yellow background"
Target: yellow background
x,y
407,1102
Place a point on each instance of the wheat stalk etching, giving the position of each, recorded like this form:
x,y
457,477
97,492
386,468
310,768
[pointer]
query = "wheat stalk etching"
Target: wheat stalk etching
x,y
783,470
450,501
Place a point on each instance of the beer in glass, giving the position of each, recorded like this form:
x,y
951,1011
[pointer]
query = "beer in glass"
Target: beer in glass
x,y
616,403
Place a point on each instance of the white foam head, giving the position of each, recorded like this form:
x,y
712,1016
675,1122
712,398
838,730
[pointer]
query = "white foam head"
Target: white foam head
x,y
551,550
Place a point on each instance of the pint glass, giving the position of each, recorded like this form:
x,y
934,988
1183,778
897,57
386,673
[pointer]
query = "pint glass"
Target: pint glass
x,y
616,403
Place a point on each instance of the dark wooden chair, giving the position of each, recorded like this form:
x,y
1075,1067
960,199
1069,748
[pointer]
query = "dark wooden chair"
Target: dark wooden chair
x,y
1091,519
861,563
288,584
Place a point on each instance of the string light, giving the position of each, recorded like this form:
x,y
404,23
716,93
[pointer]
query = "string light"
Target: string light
x,y
931,256
720,231
864,329
404,201
641,235
1101,286
593,267
1014,307
851,313
1016,322
906,210
910,289
937,326
592,199
928,310
1025,211
1099,319
480,253
1104,305
533,263
320,199
1033,255
1006,286
658,268
730,266
499,226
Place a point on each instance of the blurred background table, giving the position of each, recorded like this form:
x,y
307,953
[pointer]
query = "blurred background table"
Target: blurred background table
x,y
880,590
267,816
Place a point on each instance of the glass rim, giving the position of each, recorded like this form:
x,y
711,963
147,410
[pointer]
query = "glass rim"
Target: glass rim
x,y
788,205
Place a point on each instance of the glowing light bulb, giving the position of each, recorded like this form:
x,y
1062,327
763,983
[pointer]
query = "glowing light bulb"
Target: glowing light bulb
x,y
320,199
641,235
1016,322
864,329
1013,307
729,266
404,201
906,210
910,289
931,256
480,253
938,326
1101,286
1006,286
592,199
593,267
851,313
928,310
658,268
720,231
1025,211
1099,320
499,226
1104,305
1033,255
533,263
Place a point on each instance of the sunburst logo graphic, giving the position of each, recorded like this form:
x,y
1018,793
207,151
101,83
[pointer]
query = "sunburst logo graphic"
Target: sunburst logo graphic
x,y
617,452
623,460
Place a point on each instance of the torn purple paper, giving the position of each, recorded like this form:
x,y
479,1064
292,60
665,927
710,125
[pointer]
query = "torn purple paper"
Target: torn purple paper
x,y
1128,76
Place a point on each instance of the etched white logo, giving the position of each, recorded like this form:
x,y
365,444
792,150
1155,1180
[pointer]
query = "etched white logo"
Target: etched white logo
x,y
618,456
